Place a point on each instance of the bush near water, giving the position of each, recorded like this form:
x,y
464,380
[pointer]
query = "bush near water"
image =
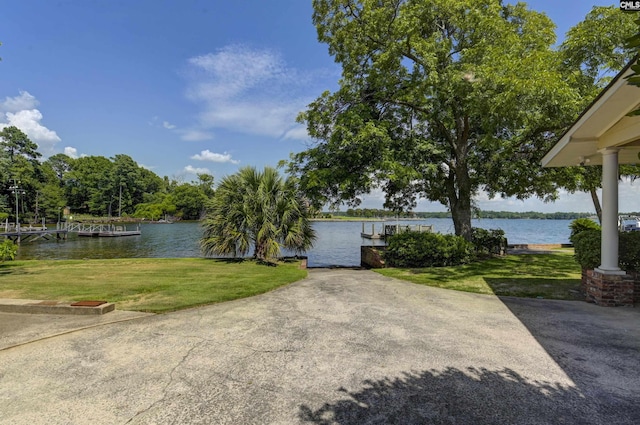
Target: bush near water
x,y
587,249
586,237
416,249
488,242
580,225
8,250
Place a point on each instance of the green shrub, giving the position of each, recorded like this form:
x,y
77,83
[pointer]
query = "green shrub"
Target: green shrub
x,y
8,250
488,241
586,245
587,249
580,225
415,249
629,251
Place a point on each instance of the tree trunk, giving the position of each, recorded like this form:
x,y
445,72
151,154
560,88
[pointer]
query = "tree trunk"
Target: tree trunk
x,y
596,203
461,214
459,183
259,251
459,194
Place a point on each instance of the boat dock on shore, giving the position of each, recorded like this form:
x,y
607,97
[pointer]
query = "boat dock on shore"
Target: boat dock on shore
x,y
20,234
101,230
392,229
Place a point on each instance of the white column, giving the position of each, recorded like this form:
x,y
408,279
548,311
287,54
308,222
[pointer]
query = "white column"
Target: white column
x,y
609,245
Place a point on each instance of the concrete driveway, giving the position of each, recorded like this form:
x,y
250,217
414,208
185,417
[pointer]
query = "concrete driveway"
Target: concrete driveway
x,y
340,347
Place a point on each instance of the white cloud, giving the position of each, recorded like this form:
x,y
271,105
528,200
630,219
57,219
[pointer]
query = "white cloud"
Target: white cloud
x,y
21,102
193,170
71,152
20,112
168,125
237,68
567,202
29,122
250,91
195,135
207,155
297,133
629,196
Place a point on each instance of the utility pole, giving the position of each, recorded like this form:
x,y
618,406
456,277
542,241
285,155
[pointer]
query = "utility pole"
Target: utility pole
x,y
16,189
37,210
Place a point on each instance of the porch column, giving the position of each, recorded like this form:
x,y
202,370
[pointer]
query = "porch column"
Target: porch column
x,y
609,244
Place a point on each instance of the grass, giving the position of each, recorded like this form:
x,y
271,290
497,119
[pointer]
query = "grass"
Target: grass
x,y
552,276
142,284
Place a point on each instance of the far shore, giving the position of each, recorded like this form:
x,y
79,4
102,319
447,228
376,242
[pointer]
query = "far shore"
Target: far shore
x,y
376,219
348,219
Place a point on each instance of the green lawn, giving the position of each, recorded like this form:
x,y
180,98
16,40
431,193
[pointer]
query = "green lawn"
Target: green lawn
x,y
153,285
554,276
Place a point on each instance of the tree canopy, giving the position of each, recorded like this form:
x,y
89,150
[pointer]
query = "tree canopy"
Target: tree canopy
x,y
93,185
592,53
633,42
15,142
437,100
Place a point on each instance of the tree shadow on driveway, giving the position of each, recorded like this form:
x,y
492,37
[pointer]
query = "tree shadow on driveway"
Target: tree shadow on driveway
x,y
597,347
472,396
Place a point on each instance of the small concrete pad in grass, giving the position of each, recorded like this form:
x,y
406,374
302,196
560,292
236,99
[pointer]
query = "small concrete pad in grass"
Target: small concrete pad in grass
x,y
56,307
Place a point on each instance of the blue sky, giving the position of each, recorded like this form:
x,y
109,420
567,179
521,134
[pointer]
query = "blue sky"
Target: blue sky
x,y
187,86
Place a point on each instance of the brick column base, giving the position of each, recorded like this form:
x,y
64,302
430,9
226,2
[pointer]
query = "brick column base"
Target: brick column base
x,y
610,290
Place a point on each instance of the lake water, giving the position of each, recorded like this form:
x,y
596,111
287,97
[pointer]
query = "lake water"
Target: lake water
x,y
338,241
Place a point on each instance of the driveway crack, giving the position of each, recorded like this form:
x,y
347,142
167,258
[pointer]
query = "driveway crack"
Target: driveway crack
x,y
170,382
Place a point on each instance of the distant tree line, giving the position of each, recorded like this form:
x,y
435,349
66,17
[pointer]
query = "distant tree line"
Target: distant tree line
x,y
381,213
533,215
372,213
93,185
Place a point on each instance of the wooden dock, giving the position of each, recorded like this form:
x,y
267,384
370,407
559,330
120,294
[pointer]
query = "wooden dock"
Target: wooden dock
x,y
391,229
101,230
119,232
23,234
30,233
373,234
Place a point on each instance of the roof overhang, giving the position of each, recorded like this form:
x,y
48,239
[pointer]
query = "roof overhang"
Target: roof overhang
x,y
603,125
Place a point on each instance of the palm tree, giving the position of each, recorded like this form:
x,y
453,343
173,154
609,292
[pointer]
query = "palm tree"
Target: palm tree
x,y
259,209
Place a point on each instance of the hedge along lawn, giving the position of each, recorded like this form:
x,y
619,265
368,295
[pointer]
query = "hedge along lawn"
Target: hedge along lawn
x,y
153,285
553,276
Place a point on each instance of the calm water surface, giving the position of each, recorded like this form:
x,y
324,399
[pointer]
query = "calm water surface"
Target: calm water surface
x,y
338,242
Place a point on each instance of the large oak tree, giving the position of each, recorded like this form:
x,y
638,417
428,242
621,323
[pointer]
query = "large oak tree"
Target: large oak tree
x,y
439,100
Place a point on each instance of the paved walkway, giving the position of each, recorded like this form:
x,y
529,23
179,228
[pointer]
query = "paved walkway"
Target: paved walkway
x,y
341,347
